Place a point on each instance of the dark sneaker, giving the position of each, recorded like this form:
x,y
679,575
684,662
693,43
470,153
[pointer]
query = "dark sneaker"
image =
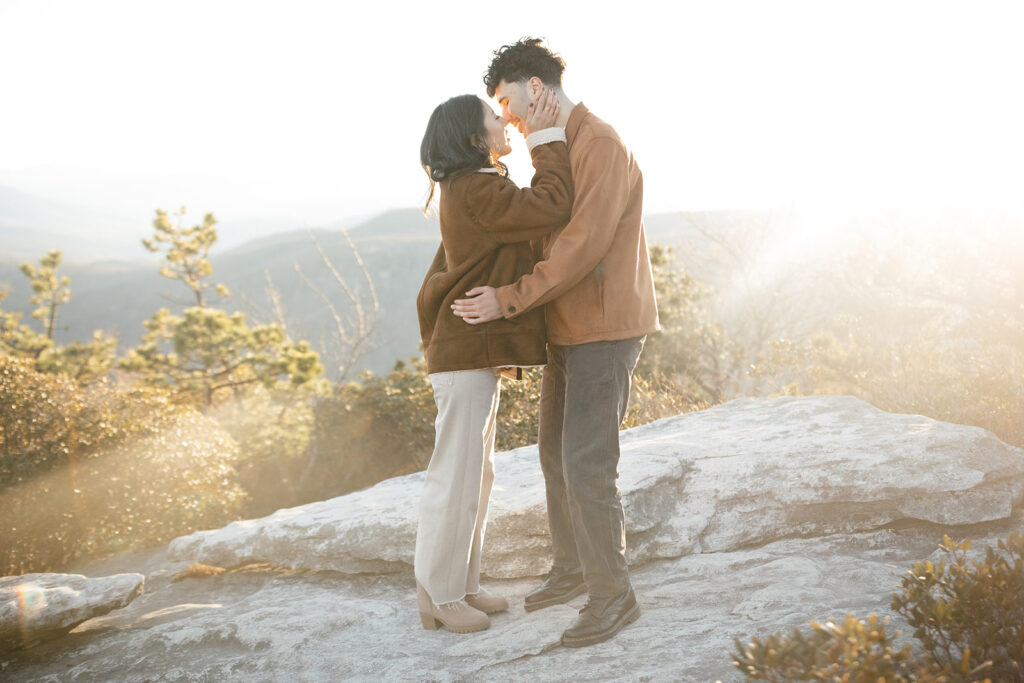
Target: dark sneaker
x,y
601,619
559,587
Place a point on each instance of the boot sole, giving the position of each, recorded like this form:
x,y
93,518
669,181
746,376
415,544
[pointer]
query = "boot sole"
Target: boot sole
x,y
631,616
435,623
489,612
560,600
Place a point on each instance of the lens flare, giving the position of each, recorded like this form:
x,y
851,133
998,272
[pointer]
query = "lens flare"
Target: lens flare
x,y
31,599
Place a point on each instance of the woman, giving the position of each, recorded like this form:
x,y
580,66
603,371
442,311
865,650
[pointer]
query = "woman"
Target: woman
x,y
486,222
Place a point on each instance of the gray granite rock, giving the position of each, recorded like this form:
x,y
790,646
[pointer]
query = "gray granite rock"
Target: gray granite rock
x,y
747,472
748,519
35,606
264,623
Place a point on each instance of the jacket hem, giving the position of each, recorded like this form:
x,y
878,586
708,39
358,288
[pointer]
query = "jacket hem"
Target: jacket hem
x,y
606,335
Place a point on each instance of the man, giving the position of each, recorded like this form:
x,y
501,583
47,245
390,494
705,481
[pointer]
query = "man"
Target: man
x,y
596,285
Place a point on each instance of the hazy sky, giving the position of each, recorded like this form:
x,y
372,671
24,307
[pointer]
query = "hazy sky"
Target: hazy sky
x,y
314,110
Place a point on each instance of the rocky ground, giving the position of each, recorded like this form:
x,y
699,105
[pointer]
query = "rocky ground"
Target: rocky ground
x,y
747,519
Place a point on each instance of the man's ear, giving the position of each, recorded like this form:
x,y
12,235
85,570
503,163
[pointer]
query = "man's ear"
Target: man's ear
x,y
535,87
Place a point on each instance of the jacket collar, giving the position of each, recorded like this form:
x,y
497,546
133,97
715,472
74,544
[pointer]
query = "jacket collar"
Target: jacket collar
x,y
572,126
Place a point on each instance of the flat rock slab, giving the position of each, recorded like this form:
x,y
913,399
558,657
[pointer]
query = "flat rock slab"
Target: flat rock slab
x,y
39,606
745,473
261,623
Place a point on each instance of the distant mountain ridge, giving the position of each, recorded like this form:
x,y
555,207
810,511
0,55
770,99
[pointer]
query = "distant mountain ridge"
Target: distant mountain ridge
x,y
397,247
30,226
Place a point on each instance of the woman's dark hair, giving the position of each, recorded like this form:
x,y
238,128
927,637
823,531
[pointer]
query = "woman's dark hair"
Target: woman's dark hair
x,y
521,61
455,142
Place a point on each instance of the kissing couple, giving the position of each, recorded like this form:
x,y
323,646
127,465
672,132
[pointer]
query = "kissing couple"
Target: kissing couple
x,y
556,275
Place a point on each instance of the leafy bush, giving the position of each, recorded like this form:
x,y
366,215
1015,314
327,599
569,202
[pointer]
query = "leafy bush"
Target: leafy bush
x,y
853,650
968,616
371,430
692,353
933,325
519,411
967,382
383,427
962,609
88,471
273,430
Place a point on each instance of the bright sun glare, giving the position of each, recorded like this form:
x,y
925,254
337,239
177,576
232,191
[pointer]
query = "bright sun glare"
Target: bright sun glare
x,y
250,112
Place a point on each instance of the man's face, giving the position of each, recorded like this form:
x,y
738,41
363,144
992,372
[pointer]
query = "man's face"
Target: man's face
x,y
515,100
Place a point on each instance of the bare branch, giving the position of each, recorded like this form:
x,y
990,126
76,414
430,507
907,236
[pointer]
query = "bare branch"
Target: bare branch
x,y
354,333
334,271
338,322
275,300
365,271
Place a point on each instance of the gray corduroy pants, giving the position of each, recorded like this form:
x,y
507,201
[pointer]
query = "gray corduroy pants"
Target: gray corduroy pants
x,y
583,401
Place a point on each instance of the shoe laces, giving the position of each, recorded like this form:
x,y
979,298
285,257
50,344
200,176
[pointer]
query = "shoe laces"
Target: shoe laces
x,y
596,604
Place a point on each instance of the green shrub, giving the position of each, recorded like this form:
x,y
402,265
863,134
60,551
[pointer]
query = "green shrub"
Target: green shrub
x,y
977,607
966,381
692,353
273,430
383,427
853,650
967,615
369,431
89,471
518,411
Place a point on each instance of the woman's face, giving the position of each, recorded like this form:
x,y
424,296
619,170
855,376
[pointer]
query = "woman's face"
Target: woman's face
x,y
497,133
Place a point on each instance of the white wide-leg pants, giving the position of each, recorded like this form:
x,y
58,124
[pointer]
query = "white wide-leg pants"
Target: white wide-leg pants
x,y
453,508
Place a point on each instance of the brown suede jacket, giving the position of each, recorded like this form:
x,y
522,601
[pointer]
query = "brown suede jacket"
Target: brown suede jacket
x,y
595,276
486,224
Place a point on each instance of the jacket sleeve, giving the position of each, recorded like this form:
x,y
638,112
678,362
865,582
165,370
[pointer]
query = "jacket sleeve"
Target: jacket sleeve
x,y
602,193
513,214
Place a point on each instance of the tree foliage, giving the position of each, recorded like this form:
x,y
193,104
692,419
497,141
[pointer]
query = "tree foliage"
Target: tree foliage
x,y
186,252
207,351
17,338
692,350
51,291
85,362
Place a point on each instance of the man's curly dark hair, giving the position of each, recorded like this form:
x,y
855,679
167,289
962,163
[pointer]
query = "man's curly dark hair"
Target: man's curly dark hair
x,y
523,60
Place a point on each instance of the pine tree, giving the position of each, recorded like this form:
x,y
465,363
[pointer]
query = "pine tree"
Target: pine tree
x,y
186,252
205,351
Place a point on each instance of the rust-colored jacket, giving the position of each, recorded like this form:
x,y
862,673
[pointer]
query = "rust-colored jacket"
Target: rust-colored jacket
x,y
486,224
595,277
